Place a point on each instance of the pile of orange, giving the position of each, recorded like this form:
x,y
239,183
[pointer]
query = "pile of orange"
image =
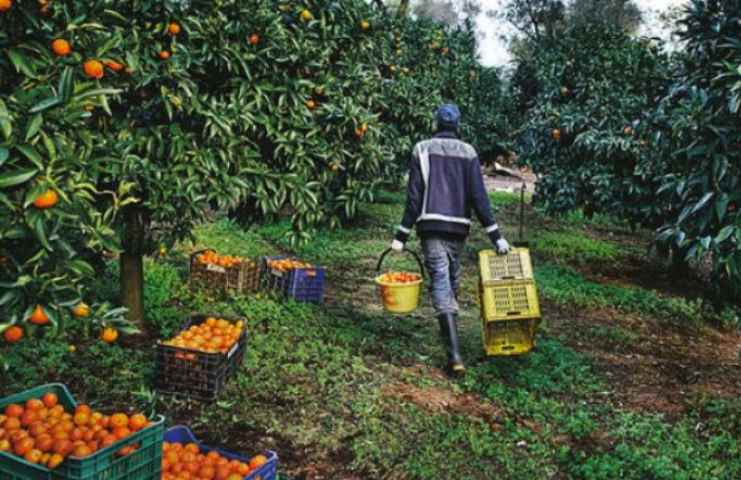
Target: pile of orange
x,y
400,277
215,335
42,432
188,461
287,264
210,257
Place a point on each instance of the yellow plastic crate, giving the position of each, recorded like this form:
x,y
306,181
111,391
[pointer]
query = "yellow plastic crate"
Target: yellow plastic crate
x,y
509,300
509,337
516,265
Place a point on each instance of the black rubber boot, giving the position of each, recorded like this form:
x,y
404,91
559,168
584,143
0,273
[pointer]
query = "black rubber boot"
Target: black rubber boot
x,y
449,334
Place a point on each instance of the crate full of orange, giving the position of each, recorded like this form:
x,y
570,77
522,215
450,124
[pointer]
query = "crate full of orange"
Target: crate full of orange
x,y
201,358
209,269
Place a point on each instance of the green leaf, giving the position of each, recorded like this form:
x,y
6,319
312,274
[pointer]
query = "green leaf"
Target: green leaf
x,y
97,92
65,87
725,233
17,177
34,126
19,61
45,104
37,223
32,155
4,154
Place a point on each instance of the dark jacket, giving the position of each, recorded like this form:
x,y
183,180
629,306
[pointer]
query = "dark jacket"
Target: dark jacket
x,y
445,184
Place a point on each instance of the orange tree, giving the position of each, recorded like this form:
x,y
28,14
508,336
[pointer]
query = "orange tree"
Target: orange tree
x,y
584,134
698,137
109,117
54,217
270,107
330,95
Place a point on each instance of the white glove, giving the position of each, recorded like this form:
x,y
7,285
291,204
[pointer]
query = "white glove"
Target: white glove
x,y
397,246
502,246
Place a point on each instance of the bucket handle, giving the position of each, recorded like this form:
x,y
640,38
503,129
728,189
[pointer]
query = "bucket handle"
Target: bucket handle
x,y
414,254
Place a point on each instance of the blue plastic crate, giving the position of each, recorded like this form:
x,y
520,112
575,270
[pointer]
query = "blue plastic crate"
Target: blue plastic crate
x,y
300,284
182,434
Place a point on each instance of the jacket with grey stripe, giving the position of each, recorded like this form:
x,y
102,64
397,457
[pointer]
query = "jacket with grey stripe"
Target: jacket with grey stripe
x,y
445,184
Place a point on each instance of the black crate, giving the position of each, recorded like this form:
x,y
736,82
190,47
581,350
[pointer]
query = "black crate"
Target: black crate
x,y
195,374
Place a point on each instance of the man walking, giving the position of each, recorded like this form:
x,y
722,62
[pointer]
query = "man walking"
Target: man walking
x,y
445,184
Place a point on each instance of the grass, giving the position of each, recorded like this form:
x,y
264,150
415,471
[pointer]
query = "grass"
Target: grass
x,y
565,286
573,246
315,382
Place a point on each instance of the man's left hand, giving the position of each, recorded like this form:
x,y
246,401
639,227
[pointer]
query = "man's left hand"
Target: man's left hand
x,y
503,246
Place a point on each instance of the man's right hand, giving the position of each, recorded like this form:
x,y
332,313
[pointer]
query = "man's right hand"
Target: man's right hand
x,y
397,246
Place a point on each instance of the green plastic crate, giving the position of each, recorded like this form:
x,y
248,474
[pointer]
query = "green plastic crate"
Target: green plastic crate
x,y
143,464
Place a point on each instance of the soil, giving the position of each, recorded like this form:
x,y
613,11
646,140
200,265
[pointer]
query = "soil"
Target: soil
x,y
665,369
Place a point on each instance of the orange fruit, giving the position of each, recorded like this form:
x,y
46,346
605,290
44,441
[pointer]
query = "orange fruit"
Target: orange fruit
x,y
254,39
258,461
119,420
109,335
45,443
113,65
5,445
121,432
556,134
310,104
223,472
81,418
93,69
37,429
61,47
306,16
81,451
23,446
137,422
34,404
39,316
13,334
108,440
28,417
33,456
84,408
62,447
364,25
5,5
164,55
13,410
207,472
50,400
46,200
173,28
54,461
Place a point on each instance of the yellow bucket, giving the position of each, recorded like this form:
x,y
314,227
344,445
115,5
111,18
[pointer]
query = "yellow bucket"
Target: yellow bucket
x,y
402,295
399,297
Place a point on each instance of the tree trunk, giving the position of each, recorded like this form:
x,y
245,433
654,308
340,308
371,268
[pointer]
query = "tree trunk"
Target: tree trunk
x,y
132,286
132,264
403,8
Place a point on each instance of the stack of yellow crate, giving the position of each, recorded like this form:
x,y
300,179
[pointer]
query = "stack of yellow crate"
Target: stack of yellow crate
x,y
510,311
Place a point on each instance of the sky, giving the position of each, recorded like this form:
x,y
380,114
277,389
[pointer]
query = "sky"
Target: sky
x,y
494,51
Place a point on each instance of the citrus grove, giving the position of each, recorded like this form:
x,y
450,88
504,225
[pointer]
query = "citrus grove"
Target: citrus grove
x,y
194,195
123,125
